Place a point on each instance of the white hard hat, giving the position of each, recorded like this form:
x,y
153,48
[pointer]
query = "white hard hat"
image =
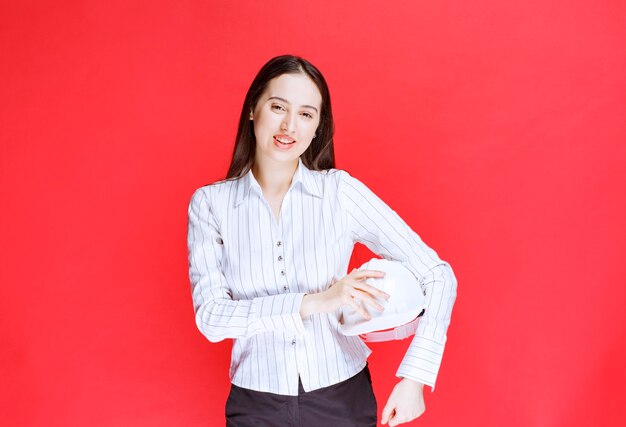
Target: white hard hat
x,y
401,314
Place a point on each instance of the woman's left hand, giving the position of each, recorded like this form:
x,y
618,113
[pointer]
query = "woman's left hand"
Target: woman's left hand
x,y
405,403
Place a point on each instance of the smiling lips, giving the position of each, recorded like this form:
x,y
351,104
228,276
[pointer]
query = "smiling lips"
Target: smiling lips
x,y
284,139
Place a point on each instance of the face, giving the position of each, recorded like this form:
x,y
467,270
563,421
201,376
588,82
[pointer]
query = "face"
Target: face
x,y
286,117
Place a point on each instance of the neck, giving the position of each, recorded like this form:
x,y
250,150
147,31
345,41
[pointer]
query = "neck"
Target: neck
x,y
274,177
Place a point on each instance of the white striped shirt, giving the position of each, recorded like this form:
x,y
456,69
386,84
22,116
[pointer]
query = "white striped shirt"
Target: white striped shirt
x,y
249,273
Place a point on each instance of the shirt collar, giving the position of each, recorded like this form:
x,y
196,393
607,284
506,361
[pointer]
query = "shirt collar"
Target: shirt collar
x,y
303,175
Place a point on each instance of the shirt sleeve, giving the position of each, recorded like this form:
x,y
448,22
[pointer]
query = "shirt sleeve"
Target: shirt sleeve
x,y
373,223
217,315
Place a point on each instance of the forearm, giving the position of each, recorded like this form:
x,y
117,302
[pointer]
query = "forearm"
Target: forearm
x,y
423,357
224,318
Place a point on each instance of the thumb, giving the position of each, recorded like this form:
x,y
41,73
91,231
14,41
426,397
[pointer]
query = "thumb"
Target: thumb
x,y
389,408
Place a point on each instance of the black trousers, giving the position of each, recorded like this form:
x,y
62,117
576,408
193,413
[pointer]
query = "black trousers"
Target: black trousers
x,y
350,403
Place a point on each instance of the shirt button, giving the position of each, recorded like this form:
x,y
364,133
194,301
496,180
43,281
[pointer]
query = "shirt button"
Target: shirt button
x,y
279,243
282,272
285,288
293,342
280,258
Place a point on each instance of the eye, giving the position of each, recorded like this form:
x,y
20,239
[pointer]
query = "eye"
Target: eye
x,y
278,107
307,115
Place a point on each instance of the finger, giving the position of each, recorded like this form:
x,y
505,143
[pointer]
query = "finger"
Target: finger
x,y
359,309
397,419
366,298
387,412
373,290
366,273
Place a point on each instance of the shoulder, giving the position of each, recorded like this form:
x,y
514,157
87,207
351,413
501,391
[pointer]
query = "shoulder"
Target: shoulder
x,y
214,191
326,182
333,175
346,181
341,184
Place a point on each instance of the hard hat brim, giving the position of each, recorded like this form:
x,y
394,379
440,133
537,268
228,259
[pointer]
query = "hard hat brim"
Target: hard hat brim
x,y
365,326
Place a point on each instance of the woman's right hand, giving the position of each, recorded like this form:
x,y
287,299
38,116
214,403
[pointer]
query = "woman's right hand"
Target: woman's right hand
x,y
350,290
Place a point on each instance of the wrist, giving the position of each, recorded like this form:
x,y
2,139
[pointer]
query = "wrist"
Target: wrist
x,y
310,305
413,382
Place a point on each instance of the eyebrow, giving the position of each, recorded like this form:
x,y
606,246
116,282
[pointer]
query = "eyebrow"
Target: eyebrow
x,y
287,102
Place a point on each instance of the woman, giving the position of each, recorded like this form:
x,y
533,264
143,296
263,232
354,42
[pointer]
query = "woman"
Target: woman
x,y
269,248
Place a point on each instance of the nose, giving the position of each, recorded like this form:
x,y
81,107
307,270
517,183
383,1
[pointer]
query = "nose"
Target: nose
x,y
288,125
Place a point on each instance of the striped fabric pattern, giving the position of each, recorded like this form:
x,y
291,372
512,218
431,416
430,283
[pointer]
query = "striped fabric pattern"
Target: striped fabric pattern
x,y
250,270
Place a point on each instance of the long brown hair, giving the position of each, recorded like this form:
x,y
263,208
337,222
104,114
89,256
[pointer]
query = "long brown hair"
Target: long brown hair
x,y
320,154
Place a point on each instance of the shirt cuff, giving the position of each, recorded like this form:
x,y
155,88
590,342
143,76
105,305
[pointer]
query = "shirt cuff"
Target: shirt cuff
x,y
277,313
422,361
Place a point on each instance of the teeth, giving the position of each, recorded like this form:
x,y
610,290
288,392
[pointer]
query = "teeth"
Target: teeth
x,y
285,141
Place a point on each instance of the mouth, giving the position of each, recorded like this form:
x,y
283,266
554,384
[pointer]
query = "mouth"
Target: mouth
x,y
284,139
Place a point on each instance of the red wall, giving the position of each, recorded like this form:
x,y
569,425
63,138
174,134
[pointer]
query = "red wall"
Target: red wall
x,y
506,118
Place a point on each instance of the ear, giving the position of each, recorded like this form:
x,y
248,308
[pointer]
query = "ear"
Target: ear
x,y
251,115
